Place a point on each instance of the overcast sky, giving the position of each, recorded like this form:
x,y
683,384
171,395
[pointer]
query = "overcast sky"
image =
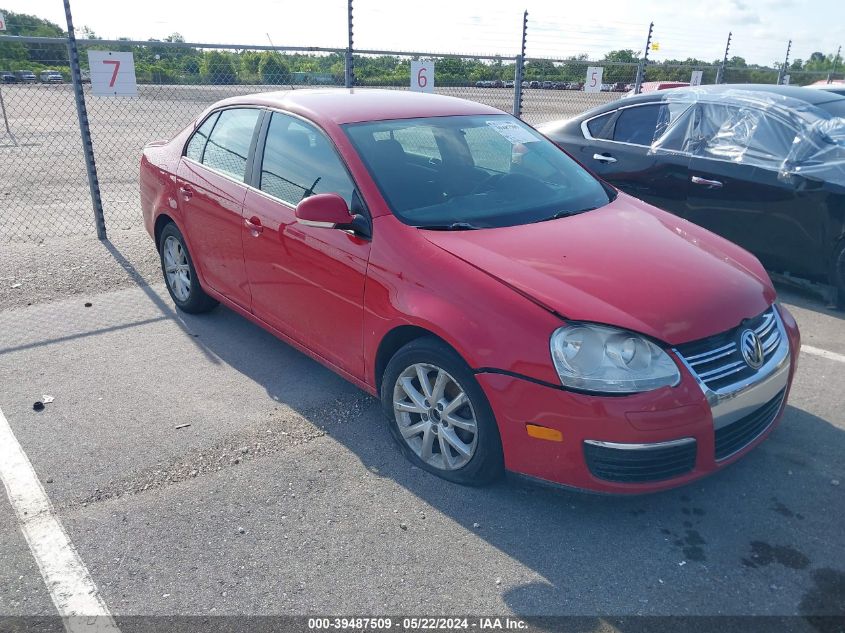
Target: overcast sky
x,y
761,28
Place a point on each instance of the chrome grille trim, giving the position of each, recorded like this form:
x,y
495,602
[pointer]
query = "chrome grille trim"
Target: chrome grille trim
x,y
713,366
738,393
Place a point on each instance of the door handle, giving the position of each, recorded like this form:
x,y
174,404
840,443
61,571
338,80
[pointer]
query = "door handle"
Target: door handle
x,y
186,192
602,158
712,184
254,225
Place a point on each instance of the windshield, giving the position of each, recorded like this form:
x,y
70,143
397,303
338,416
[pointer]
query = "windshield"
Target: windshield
x,y
464,172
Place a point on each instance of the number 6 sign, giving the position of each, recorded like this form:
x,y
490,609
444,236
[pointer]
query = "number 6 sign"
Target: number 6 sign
x,y
112,74
422,76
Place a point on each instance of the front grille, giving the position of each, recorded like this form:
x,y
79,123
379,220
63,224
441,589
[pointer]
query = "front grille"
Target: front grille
x,y
737,435
717,360
641,464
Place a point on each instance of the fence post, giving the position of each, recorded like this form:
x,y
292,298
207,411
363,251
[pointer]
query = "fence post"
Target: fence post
x,y
785,65
829,75
6,119
350,71
520,70
84,129
641,68
720,74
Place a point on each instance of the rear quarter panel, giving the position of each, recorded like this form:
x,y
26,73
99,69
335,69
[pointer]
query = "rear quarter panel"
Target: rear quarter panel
x,y
157,180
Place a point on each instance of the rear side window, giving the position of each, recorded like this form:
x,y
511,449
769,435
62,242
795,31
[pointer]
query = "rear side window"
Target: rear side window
x,y
196,146
637,125
299,161
600,126
228,145
489,149
417,141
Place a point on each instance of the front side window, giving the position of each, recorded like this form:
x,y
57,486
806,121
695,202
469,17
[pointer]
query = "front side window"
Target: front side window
x,y
227,148
495,171
742,135
299,161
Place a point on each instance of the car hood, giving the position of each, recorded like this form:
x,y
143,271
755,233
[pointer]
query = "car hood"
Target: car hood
x,y
626,264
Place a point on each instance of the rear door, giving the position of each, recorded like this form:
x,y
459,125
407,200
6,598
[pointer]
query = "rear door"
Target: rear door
x,y
307,282
618,147
211,182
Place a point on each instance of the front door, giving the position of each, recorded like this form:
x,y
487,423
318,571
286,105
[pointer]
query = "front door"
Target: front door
x,y
307,282
740,189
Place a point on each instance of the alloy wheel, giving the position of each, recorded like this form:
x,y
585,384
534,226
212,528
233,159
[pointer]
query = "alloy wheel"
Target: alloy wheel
x,y
435,416
176,268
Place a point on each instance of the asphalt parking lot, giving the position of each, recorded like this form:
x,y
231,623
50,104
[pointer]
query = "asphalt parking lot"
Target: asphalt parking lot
x,y
200,466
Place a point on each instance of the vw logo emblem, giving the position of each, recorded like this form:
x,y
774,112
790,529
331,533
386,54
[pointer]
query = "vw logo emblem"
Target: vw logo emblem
x,y
751,349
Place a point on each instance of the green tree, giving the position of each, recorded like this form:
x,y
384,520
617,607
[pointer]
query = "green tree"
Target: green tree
x,y
217,68
273,69
625,56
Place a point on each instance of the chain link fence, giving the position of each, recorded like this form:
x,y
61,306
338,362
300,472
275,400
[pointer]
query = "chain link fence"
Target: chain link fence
x,y
44,189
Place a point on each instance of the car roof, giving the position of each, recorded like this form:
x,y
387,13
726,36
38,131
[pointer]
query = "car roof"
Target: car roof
x,y
353,105
808,95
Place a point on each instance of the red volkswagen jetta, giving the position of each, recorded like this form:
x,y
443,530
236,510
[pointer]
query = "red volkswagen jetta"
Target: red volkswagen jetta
x,y
510,310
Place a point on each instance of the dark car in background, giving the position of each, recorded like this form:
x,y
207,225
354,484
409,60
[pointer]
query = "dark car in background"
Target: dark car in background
x,y
7,77
25,76
763,166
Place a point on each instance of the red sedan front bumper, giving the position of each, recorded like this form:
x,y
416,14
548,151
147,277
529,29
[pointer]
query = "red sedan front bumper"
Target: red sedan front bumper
x,y
657,417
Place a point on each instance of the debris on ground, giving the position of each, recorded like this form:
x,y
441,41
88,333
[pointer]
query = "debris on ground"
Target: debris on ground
x,y
88,304
38,406
403,526
16,285
241,530
47,399
182,426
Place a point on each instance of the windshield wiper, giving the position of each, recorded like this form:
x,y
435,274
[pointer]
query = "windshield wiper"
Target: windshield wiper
x,y
566,213
454,226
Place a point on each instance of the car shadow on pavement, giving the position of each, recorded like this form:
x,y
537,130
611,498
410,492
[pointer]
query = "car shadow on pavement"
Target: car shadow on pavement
x,y
710,546
808,300
736,542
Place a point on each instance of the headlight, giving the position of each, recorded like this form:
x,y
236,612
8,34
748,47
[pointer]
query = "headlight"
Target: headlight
x,y
609,360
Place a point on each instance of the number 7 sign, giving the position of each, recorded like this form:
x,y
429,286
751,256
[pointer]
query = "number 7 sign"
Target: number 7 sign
x,y
112,74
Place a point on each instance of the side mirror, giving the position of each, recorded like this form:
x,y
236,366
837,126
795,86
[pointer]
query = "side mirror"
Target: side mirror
x,y
324,210
329,211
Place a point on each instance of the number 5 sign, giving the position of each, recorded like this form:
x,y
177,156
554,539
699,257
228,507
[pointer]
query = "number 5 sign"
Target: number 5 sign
x,y
422,76
112,74
593,83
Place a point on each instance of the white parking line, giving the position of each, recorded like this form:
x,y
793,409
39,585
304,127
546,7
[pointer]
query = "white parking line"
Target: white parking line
x,y
70,586
816,351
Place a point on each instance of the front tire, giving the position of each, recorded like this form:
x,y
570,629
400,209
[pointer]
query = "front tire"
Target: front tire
x,y
837,273
180,274
439,415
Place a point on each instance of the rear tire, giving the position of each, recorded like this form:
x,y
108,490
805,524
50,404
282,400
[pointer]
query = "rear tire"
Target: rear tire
x,y
180,274
439,415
